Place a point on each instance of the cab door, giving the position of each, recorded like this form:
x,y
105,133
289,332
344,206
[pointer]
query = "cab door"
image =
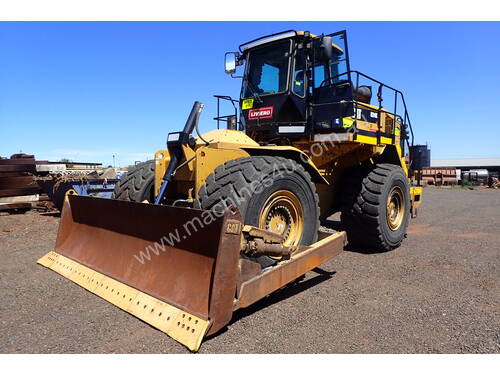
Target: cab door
x,y
299,85
332,91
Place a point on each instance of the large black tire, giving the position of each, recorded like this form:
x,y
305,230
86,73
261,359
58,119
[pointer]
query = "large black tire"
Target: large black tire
x,y
137,185
249,182
364,207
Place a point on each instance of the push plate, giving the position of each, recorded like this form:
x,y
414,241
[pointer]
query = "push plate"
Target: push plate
x,y
183,327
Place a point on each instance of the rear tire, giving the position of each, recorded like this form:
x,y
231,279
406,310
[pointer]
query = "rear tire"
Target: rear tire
x,y
137,185
270,192
375,207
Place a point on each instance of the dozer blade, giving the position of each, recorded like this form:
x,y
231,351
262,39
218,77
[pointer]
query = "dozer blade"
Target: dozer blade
x,y
175,268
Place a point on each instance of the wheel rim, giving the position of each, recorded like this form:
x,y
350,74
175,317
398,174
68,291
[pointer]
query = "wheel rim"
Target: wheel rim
x,y
282,213
395,208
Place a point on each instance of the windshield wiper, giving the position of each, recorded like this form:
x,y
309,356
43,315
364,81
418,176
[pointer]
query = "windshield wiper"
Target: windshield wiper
x,y
249,85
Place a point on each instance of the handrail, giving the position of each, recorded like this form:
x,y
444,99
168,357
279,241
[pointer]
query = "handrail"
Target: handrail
x,y
406,123
232,101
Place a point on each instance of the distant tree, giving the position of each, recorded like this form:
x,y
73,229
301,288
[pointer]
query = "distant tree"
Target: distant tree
x,y
64,160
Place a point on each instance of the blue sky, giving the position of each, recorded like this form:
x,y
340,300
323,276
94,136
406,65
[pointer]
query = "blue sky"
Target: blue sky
x,y
88,90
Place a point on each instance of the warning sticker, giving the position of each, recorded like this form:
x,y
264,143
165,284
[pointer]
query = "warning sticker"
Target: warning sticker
x,y
247,104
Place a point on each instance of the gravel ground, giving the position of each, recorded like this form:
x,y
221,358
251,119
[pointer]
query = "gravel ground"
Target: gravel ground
x,y
438,293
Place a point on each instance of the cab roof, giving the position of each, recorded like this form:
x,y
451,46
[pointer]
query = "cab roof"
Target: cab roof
x,y
275,37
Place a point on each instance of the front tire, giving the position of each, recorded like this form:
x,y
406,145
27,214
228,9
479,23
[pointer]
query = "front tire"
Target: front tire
x,y
137,185
376,207
272,193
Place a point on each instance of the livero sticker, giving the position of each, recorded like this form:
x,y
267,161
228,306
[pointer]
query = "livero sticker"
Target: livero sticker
x,y
260,113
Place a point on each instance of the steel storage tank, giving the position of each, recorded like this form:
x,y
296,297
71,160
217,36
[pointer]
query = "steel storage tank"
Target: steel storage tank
x,y
420,156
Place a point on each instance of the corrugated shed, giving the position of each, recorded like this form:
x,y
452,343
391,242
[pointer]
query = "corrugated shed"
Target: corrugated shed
x,y
466,163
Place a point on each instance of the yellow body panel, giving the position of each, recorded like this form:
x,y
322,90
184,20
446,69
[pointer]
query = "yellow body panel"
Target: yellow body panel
x,y
387,126
402,159
225,138
366,139
416,198
386,140
223,145
323,158
162,158
298,155
210,158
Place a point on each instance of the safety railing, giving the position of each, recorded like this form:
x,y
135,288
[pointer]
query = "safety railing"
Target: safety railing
x,y
230,120
402,116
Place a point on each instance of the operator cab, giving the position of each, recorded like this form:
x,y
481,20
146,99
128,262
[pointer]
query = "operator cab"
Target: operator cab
x,y
295,84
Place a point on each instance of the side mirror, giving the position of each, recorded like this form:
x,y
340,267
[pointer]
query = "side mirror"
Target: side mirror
x,y
231,62
326,47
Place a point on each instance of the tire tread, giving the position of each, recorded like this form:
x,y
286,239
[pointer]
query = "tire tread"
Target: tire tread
x,y
130,186
361,206
230,178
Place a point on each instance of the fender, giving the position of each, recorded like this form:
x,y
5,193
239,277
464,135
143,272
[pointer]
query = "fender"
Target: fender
x,y
293,153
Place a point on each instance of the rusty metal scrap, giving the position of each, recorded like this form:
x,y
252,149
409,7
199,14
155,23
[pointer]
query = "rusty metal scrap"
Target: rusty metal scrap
x,y
17,176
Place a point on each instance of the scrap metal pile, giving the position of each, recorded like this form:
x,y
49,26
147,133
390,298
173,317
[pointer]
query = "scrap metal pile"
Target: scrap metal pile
x,y
98,184
495,183
18,187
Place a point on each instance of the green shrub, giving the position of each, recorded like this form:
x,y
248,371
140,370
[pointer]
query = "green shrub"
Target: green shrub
x,y
466,184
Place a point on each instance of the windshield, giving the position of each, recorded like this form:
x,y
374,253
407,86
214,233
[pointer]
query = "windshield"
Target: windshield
x,y
267,70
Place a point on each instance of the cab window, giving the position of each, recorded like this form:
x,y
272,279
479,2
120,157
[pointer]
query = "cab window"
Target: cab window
x,y
298,82
267,70
338,62
319,75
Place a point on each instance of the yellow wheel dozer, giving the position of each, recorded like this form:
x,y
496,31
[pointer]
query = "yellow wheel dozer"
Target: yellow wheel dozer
x,y
216,222
165,266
